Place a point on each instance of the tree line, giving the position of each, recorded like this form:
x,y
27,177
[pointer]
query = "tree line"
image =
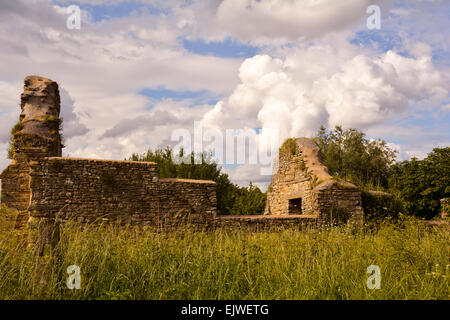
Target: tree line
x,y
419,185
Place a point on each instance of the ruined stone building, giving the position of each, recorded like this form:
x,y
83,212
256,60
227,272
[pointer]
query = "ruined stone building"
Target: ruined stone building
x,y
302,186
40,184
302,193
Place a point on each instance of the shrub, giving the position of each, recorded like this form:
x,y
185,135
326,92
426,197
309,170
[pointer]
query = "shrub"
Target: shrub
x,y
423,183
11,148
289,145
380,206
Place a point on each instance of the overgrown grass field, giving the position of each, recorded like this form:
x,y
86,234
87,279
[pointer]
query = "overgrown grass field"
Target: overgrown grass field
x,y
331,263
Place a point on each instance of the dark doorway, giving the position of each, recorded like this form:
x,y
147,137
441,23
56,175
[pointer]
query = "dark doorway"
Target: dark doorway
x,y
295,206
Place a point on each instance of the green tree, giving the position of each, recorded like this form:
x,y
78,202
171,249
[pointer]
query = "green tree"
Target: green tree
x,y
248,200
423,183
349,155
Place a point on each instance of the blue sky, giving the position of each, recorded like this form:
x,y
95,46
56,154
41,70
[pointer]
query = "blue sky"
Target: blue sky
x,y
385,39
196,97
228,48
388,38
112,10
137,71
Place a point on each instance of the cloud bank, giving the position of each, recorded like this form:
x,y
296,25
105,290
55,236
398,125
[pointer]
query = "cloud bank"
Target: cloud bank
x,y
317,65
299,93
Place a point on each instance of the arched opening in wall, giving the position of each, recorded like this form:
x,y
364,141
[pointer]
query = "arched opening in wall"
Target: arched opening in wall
x,y
295,206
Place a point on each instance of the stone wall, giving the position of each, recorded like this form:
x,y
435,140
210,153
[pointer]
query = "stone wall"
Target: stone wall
x,y
338,202
43,186
16,189
88,189
186,201
129,192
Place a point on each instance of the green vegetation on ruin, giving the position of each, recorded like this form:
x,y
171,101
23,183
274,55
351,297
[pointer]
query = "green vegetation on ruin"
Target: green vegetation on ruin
x,y
11,148
289,145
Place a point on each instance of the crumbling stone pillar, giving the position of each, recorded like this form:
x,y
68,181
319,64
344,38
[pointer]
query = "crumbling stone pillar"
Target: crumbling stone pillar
x,y
35,135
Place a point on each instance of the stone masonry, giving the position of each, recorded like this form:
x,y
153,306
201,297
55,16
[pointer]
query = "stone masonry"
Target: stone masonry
x,y
43,186
302,186
35,135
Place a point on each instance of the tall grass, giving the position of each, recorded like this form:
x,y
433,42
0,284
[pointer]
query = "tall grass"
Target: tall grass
x,y
130,263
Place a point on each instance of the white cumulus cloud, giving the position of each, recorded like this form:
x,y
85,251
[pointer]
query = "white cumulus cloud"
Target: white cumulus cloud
x,y
360,91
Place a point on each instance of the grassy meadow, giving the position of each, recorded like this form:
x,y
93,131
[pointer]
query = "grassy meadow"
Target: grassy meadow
x,y
331,263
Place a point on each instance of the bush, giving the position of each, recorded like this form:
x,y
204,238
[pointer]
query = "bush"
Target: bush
x,y
289,145
11,148
423,183
380,206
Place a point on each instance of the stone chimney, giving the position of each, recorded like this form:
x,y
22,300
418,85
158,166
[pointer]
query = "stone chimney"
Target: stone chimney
x,y
37,134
